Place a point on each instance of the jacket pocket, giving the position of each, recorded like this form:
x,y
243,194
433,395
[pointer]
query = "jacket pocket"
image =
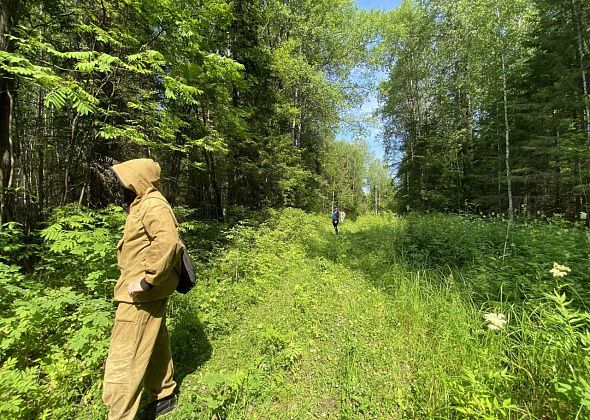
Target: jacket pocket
x,y
123,342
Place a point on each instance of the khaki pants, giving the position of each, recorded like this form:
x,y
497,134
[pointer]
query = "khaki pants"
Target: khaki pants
x,y
139,357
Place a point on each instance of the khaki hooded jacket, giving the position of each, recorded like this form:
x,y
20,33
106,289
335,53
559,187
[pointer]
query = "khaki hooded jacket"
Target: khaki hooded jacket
x,y
150,247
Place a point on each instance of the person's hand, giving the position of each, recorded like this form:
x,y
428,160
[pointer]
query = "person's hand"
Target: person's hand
x,y
135,287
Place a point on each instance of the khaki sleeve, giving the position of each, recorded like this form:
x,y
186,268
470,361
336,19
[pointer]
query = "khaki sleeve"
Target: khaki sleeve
x,y
165,247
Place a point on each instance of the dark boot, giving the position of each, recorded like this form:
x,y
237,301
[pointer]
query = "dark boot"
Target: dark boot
x,y
159,408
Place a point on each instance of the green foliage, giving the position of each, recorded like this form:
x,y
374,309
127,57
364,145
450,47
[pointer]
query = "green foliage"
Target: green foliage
x,y
482,97
56,321
88,237
19,389
561,369
505,262
12,284
12,243
480,397
545,348
289,320
221,391
61,90
367,325
439,240
236,100
62,336
354,180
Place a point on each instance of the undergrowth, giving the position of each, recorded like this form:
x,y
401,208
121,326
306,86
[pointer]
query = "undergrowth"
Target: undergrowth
x,y
425,316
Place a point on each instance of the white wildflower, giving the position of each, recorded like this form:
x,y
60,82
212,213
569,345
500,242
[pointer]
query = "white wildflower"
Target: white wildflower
x,y
495,321
559,270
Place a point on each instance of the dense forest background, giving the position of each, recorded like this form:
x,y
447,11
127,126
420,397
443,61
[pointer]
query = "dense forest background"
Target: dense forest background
x,y
239,102
486,106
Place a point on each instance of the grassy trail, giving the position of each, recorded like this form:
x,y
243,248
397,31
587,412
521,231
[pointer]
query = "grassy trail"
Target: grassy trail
x,y
300,323
288,320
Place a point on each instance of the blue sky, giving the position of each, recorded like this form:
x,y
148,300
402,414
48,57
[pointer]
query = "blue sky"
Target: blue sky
x,y
372,128
378,4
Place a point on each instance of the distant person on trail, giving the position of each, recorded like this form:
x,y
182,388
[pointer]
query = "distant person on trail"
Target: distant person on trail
x,y
148,256
342,216
335,218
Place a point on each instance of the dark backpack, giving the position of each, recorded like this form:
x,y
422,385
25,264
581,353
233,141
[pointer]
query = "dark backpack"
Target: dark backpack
x,y
187,274
187,279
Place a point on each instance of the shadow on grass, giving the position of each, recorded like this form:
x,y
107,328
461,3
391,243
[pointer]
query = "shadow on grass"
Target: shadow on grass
x,y
190,350
190,346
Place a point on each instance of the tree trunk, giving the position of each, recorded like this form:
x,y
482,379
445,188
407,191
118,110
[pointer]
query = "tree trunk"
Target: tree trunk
x,y
507,138
210,160
506,125
42,135
333,197
294,134
376,200
558,202
582,56
8,10
212,172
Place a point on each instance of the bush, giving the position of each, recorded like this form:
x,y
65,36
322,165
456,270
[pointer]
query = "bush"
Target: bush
x,y
79,249
504,263
443,240
56,321
542,364
381,320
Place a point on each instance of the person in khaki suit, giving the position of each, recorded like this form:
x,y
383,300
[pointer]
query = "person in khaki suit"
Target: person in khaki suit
x,y
149,259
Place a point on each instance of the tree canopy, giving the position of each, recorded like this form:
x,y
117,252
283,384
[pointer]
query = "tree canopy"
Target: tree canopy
x,y
238,100
486,104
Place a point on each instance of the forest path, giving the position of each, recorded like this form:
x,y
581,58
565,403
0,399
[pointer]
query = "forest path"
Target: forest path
x,y
325,325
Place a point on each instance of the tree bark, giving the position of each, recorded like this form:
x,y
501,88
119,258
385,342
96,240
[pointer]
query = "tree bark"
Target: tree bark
x,y
294,134
210,160
8,9
506,124
42,135
582,56
507,138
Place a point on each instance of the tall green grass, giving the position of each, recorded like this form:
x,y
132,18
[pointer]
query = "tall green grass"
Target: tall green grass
x,y
386,321
288,320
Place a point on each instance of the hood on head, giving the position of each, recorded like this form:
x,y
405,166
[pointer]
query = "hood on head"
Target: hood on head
x,y
138,175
